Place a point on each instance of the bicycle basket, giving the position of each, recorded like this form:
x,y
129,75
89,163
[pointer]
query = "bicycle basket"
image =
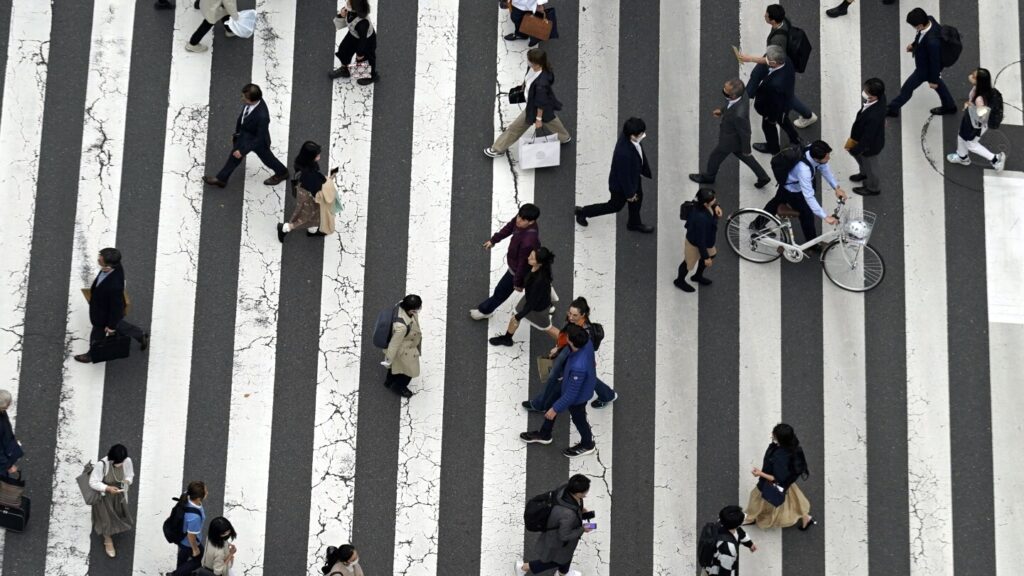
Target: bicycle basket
x,y
857,226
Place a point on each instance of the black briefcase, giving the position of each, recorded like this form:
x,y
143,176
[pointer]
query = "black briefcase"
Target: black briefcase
x,y
111,347
15,519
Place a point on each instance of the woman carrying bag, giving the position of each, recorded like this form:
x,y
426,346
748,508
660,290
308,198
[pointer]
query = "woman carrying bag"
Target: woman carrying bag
x,y
541,105
315,196
973,125
535,305
219,553
360,41
111,478
402,356
699,246
776,501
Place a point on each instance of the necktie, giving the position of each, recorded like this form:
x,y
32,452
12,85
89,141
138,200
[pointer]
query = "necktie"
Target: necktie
x,y
245,113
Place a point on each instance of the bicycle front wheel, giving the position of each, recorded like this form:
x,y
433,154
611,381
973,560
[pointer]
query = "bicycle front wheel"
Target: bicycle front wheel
x,y
748,227
853,267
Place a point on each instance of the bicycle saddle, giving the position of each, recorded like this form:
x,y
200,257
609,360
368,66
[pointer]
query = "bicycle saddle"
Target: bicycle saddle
x,y
786,211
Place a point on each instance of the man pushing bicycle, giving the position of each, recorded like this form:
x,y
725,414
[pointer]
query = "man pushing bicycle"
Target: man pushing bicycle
x,y
794,169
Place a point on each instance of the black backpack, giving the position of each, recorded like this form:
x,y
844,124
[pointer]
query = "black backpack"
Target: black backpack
x,y
707,544
798,46
596,334
995,114
785,160
382,327
687,208
950,46
538,510
174,525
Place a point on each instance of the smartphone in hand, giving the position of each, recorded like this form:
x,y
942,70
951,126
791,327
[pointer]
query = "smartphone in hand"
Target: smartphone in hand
x,y
590,526
335,170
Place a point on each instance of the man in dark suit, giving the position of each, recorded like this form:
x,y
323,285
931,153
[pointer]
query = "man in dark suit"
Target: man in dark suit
x,y
927,51
867,137
106,305
629,164
772,100
252,134
733,136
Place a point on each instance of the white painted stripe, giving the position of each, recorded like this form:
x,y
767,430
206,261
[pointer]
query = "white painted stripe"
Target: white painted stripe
x,y
341,319
999,48
99,191
760,325
259,281
675,417
597,130
1004,236
508,368
421,419
930,506
174,298
845,442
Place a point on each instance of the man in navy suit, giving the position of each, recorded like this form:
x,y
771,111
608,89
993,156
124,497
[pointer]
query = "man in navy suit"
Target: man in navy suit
x,y
927,51
252,134
629,164
867,137
772,100
106,304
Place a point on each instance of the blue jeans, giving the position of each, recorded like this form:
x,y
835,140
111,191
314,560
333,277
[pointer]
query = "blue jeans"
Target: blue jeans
x,y
502,291
553,386
916,78
758,74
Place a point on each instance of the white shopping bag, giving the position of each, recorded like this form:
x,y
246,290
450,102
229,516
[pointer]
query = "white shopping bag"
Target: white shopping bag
x,y
245,25
359,70
539,151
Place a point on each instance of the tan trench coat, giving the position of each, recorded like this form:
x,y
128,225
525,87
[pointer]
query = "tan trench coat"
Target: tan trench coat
x,y
404,350
215,10
325,198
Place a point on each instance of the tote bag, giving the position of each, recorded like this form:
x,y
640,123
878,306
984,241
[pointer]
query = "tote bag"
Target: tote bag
x,y
539,152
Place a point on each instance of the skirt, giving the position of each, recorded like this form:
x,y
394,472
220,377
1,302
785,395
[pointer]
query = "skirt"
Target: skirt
x,y
307,212
792,510
539,319
111,515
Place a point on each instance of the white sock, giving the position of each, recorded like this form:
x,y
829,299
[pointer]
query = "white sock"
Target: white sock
x,y
313,230
286,228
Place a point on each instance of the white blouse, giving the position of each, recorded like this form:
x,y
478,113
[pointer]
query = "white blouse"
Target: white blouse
x,y
99,470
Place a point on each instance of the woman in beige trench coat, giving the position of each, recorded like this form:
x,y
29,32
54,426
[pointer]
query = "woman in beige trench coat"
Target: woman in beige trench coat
x,y
402,356
214,11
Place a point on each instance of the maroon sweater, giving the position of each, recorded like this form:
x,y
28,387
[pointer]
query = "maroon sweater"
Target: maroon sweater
x,y
523,242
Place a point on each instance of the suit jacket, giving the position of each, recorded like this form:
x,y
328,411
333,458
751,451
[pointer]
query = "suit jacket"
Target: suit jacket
x,y
627,168
869,130
734,129
928,53
106,306
776,91
254,133
542,96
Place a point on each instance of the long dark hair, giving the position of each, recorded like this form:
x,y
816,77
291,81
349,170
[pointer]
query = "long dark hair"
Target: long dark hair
x,y
785,436
983,84
335,555
306,158
361,8
218,526
539,57
545,258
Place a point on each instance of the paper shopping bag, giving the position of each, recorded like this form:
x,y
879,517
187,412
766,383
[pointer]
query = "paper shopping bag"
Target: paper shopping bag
x,y
539,152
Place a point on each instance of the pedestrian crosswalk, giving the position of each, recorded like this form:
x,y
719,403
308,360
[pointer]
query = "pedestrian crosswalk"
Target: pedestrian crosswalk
x,y
262,381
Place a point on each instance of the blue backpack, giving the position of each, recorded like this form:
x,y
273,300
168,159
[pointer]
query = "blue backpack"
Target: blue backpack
x,y
382,327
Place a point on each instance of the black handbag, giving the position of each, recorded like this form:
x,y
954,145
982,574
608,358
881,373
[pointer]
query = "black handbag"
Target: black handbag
x,y
112,347
517,95
772,493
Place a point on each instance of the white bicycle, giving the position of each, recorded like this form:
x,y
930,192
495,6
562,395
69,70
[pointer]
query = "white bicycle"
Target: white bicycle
x,y
848,260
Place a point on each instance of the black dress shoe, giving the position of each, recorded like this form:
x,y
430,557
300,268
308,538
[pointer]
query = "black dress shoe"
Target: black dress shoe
x,y
515,36
374,77
276,179
405,393
858,178
317,233
502,340
838,10
763,148
281,233
892,113
702,179
701,280
942,111
641,228
683,285
212,181
529,407
862,191
164,5
762,183
580,218
340,72
83,358
144,343
888,1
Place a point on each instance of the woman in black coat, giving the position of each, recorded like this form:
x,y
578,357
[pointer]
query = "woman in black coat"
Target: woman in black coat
x,y
541,105
699,245
776,501
536,304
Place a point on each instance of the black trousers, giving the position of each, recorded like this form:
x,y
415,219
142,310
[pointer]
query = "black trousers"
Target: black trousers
x,y
770,127
204,27
187,563
797,202
348,48
397,382
265,156
614,204
123,327
718,155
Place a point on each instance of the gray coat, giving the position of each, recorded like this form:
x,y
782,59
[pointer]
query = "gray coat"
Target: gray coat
x,y
734,131
565,527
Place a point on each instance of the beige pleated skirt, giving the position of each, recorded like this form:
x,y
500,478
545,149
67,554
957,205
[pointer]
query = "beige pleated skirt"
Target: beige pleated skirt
x,y
765,515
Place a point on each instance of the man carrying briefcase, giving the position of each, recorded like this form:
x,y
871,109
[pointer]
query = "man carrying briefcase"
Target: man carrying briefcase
x,y
110,334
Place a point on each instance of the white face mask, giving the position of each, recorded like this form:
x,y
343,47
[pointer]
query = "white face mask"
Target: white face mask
x,y
864,97
354,564
640,138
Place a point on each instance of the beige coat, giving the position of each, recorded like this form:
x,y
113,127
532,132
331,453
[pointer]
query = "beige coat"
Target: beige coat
x,y
215,10
325,198
339,568
404,350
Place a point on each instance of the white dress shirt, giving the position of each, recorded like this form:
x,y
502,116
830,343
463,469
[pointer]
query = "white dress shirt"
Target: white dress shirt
x,y
801,179
528,5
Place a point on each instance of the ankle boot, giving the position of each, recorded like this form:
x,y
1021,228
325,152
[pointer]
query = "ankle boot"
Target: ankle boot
x,y
838,10
699,276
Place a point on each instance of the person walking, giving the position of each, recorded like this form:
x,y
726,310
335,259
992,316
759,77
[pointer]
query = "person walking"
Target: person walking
x,y
219,555
699,244
536,304
190,548
518,9
731,535
360,41
579,378
214,11
773,100
577,315
556,546
629,165
111,477
844,7
107,304
974,124
733,136
541,105
402,356
798,189
342,561
524,238
252,134
927,51
867,137
314,196
10,448
777,501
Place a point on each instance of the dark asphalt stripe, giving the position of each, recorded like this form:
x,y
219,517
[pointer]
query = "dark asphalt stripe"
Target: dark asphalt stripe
x,y
46,306
718,318
209,400
124,389
885,317
5,33
636,289
803,401
970,402
465,399
298,319
387,240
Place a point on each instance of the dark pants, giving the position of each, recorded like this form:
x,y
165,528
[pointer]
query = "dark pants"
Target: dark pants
x,y
123,327
265,156
578,413
187,563
759,73
536,567
770,127
204,27
614,204
348,48
797,202
397,382
916,78
502,291
553,385
718,155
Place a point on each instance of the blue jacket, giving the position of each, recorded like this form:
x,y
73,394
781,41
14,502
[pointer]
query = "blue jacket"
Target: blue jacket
x,y
928,52
627,168
578,378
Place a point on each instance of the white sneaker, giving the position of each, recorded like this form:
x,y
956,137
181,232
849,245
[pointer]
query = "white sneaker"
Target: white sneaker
x,y
492,152
195,47
999,162
517,569
805,122
478,315
954,158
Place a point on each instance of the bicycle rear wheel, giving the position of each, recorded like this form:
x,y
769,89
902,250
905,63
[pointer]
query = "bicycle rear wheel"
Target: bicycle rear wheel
x,y
853,267
747,227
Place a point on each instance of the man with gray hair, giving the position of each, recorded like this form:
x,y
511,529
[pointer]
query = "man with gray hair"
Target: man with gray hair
x,y
10,448
772,100
733,135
